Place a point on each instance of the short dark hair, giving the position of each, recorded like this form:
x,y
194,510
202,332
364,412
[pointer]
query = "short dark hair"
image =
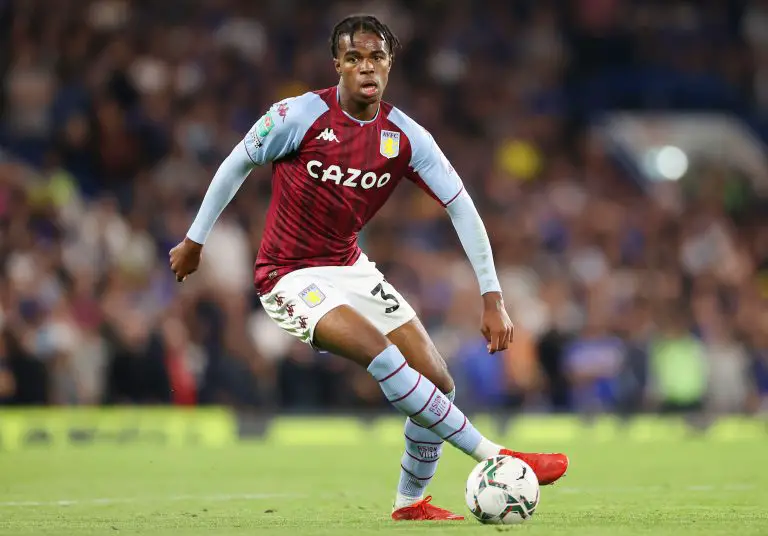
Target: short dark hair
x,y
363,23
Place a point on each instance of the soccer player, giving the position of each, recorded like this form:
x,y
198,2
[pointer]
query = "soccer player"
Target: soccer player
x,y
337,154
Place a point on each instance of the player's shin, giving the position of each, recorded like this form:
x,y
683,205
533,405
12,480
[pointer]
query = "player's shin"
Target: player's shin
x,y
419,462
419,399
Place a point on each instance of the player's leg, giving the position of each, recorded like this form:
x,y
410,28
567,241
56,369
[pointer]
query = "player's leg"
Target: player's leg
x,y
345,332
423,447
391,314
308,305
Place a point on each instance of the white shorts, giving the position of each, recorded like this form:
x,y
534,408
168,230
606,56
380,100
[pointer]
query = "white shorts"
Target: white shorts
x,y
301,298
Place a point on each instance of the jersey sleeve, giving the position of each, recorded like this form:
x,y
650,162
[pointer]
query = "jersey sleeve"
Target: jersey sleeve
x,y
429,168
474,239
281,129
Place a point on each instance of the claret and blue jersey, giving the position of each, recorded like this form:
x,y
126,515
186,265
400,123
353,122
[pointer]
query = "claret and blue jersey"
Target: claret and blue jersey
x,y
331,174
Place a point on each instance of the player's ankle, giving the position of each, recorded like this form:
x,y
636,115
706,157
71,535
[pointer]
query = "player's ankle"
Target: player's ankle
x,y
401,501
485,449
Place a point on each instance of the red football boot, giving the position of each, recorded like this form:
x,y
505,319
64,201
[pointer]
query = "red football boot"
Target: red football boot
x,y
424,511
548,467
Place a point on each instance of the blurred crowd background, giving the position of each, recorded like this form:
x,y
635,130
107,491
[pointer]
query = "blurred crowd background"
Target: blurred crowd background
x,y
627,296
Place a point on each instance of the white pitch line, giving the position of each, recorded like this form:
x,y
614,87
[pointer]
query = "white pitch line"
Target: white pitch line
x,y
171,498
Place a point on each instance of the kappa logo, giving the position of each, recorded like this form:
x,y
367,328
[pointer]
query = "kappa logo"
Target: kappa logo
x,y
312,295
327,135
389,143
282,110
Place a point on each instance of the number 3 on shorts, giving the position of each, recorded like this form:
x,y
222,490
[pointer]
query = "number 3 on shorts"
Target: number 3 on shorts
x,y
389,298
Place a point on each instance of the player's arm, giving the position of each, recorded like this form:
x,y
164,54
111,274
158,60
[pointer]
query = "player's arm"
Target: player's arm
x,y
497,326
433,173
226,182
276,134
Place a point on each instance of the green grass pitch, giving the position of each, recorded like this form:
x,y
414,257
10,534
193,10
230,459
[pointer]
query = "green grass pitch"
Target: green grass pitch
x,y
615,488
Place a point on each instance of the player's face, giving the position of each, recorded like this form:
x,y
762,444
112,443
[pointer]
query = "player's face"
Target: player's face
x,y
363,63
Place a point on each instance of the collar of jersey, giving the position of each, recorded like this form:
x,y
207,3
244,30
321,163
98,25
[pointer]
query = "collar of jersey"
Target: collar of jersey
x,y
358,121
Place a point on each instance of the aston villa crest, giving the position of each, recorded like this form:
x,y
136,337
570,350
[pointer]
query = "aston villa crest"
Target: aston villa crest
x,y
389,145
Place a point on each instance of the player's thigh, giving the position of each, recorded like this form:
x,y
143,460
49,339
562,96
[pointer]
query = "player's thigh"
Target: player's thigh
x,y
416,345
312,307
377,300
347,333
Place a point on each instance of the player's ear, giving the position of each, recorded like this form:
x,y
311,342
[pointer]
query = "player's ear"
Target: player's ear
x,y
337,65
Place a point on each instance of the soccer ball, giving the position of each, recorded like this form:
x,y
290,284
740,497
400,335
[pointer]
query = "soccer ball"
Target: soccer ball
x,y
502,490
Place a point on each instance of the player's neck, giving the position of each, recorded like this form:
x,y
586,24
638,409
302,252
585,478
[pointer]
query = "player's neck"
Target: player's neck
x,y
360,111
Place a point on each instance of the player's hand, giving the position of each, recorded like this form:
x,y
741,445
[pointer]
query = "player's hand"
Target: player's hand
x,y
497,327
185,258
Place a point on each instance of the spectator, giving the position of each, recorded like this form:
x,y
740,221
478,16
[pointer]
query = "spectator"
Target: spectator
x,y
678,367
593,361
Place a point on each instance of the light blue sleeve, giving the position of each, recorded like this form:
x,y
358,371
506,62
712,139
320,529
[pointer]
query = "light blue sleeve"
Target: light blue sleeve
x,y
279,131
433,172
225,184
431,169
474,239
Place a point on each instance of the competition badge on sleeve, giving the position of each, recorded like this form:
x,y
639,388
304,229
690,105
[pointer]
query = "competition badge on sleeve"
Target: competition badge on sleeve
x,y
261,129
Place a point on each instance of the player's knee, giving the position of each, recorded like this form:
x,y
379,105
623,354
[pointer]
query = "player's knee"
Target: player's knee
x,y
422,355
445,384
438,374
369,345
